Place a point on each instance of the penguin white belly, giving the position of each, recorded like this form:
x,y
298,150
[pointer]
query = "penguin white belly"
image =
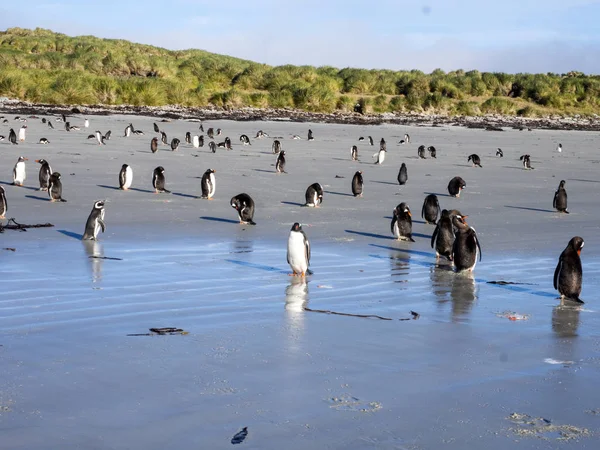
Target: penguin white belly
x,y
396,230
297,253
97,226
128,178
196,141
19,173
213,185
22,134
381,157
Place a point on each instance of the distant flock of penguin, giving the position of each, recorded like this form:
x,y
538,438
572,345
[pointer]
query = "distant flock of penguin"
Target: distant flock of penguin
x,y
452,238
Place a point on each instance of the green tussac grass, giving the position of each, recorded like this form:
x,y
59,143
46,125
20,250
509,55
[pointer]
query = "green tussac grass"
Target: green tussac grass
x,y
46,67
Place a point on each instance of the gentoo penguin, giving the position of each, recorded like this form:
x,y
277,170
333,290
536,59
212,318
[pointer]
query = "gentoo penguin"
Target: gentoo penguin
x,y
201,127
1,138
310,135
244,205
158,180
22,131
68,126
354,153
55,188
86,123
402,175
568,274
50,125
43,119
19,171
99,138
357,184
466,249
218,132
175,144
63,117
475,160
125,177
276,147
280,164
156,129
188,137
43,141
245,140
296,137
370,140
559,148
12,137
314,195
212,146
221,144
208,184
432,151
196,141
163,138
526,161
380,156
3,204
500,153
128,130
560,198
298,251
362,138
138,132
210,133
201,141
154,145
442,238
401,225
430,209
382,145
456,185
407,138
107,135
227,143
421,151
95,222
44,175
259,134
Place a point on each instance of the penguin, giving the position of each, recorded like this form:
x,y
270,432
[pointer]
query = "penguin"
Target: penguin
x,y
163,138
466,249
44,175
19,171
442,239
559,148
354,153
201,141
22,131
407,138
68,126
210,133
201,127
128,130
196,141
382,145
95,222
63,117
43,141
156,129
50,125
43,120
55,188
245,140
3,203
360,139
99,138
228,143
221,145
560,198
380,156
500,153
73,127
421,151
475,160
125,177
208,184
432,151
138,132
158,180
314,195
310,135
568,274
188,137
430,209
107,135
1,138
402,175
456,185
86,123
244,205
280,164
298,251
154,145
12,137
218,132
370,140
175,144
526,161
212,146
401,225
276,147
259,134
357,184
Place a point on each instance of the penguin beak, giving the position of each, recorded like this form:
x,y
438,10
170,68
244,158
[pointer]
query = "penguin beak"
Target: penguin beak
x,y
579,252
408,212
26,159
37,160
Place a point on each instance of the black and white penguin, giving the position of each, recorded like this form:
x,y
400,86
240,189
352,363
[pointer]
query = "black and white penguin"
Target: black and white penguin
x,y
568,274
310,135
370,140
1,138
222,145
280,164
156,129
201,141
95,222
560,198
382,145
314,195
55,188
107,135
354,153
158,180
499,153
442,239
298,251
259,134
456,185
201,127
175,144
466,249
22,132
99,138
12,137
138,132
125,177
208,184
44,175
86,123
43,141
526,161
559,148
362,138
163,138
73,128
188,137
196,141
63,117
244,205
402,175
68,126
154,145
210,133
475,160
357,184
407,138
380,156
19,171
276,147
212,146
245,140
430,209
401,225
50,125
3,203
421,152
219,132
128,130
432,151
227,143
43,119
91,136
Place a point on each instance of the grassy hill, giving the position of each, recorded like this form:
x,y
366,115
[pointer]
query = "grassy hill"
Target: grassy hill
x,y
46,67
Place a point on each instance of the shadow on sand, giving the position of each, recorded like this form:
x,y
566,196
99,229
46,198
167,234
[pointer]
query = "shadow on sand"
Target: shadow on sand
x,y
530,209
293,203
35,197
71,234
219,219
372,235
339,193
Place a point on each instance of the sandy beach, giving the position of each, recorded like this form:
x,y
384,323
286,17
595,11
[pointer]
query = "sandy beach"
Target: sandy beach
x,y
461,376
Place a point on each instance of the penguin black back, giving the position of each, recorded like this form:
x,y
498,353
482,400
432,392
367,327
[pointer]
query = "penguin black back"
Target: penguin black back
x,y
354,153
208,184
244,205
154,145
421,151
310,135
560,198
276,147
568,275
314,195
402,175
442,239
280,164
55,188
382,145
499,153
526,161
357,184
212,146
3,203
466,249
163,138
432,151
456,185
44,175
430,209
401,225
175,144
210,133
158,180
156,129
475,160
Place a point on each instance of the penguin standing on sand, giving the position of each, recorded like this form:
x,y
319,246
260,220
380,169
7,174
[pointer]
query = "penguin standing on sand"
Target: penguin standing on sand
x,y
55,188
208,184
43,141
188,137
559,148
107,135
280,164
314,195
158,180
475,160
227,143
245,140
3,203
354,153
357,184
196,141
298,251
154,145
50,125
163,138
125,177
432,151
370,140
421,152
402,175
499,153
276,147
212,146
456,185
442,239
380,156
407,138
19,171
128,130
526,161
175,144
99,138
310,135
430,209
44,175
560,198
210,133
12,137
156,129
22,132
401,225
466,249
244,205
86,123
95,222
568,274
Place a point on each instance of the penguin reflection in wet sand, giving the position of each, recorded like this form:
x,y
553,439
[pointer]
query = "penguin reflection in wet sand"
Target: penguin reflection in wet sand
x,y
456,185
357,184
19,171
244,205
55,188
430,209
125,177
280,164
402,175
314,195
442,239
475,160
466,249
158,180
560,198
401,225
44,175
298,251
568,274
95,222
208,184
3,204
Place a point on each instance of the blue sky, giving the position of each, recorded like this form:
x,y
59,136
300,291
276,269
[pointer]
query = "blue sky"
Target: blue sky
x,y
509,36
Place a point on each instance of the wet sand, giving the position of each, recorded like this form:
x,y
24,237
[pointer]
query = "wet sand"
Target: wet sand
x,y
253,356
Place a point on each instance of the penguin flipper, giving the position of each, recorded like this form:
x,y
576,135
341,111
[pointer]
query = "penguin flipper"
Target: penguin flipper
x,y
102,224
478,246
557,272
554,200
434,235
